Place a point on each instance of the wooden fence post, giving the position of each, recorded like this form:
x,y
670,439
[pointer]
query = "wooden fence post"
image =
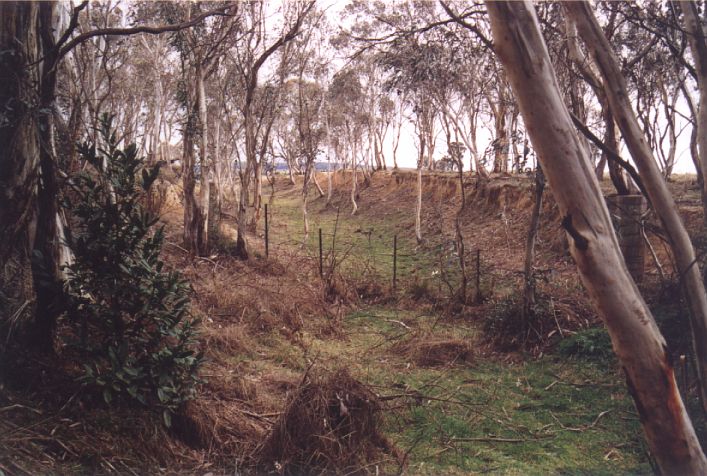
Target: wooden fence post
x,y
267,244
395,261
478,275
321,257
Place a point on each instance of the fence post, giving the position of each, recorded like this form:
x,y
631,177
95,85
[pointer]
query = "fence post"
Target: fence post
x,y
267,244
478,275
321,258
395,261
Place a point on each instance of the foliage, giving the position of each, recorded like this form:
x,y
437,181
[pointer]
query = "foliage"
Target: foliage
x,y
128,317
590,344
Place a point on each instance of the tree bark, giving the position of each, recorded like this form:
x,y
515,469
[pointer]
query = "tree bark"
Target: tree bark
x,y
698,48
635,337
654,182
196,207
29,207
529,290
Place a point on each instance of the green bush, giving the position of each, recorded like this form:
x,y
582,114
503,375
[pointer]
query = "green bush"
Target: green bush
x,y
127,315
591,344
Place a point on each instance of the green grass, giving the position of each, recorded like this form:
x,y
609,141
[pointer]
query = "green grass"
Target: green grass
x,y
547,409
363,243
545,416
560,416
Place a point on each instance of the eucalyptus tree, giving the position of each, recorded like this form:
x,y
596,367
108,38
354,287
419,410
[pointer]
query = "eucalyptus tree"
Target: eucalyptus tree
x,y
252,52
661,200
200,49
35,37
348,119
636,339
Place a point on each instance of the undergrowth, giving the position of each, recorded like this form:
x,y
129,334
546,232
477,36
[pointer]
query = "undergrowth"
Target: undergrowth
x,y
128,318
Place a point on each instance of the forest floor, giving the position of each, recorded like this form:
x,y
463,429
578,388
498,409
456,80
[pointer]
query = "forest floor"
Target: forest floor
x,y
452,394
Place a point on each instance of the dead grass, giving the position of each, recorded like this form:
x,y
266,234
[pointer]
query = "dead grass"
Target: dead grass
x,y
426,350
330,426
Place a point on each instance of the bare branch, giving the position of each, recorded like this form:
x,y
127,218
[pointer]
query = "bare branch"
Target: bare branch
x,y
149,29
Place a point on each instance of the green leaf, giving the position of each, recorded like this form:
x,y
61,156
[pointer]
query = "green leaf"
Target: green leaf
x,y
167,417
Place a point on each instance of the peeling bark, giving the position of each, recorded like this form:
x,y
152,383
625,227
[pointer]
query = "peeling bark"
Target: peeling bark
x,y
594,246
654,182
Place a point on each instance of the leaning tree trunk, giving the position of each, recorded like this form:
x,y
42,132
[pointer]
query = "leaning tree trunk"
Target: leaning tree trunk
x,y
636,339
654,182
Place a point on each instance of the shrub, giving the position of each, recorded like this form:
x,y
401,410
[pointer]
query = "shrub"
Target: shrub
x,y
127,315
505,326
591,344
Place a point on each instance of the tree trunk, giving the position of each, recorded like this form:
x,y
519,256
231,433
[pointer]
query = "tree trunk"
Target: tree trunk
x,y
316,183
616,173
500,161
418,203
257,193
217,162
635,337
529,290
46,263
698,48
354,183
459,236
196,208
29,207
205,176
654,182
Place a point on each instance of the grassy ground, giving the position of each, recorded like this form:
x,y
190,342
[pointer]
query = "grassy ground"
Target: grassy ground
x,y
452,403
485,412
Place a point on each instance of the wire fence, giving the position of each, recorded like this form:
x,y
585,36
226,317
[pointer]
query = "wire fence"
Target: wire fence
x,y
381,257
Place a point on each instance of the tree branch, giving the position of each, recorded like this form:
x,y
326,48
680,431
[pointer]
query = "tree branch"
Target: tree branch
x,y
610,154
149,29
73,23
488,43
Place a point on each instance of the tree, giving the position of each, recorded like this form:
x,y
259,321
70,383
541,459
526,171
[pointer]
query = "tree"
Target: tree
x,y
698,48
656,187
200,50
348,120
250,60
636,339
33,47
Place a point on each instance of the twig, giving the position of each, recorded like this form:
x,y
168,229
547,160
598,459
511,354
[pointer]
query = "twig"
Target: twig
x,y
398,322
580,429
492,439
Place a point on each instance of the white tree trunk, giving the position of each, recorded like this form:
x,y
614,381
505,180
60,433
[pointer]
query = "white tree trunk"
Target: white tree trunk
x,y
418,204
698,48
635,337
656,187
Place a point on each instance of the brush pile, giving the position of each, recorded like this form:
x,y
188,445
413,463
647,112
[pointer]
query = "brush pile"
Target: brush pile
x,y
330,425
428,351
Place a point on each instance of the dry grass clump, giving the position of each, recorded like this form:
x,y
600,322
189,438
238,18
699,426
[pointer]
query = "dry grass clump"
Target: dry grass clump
x,y
223,427
229,339
329,426
428,351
